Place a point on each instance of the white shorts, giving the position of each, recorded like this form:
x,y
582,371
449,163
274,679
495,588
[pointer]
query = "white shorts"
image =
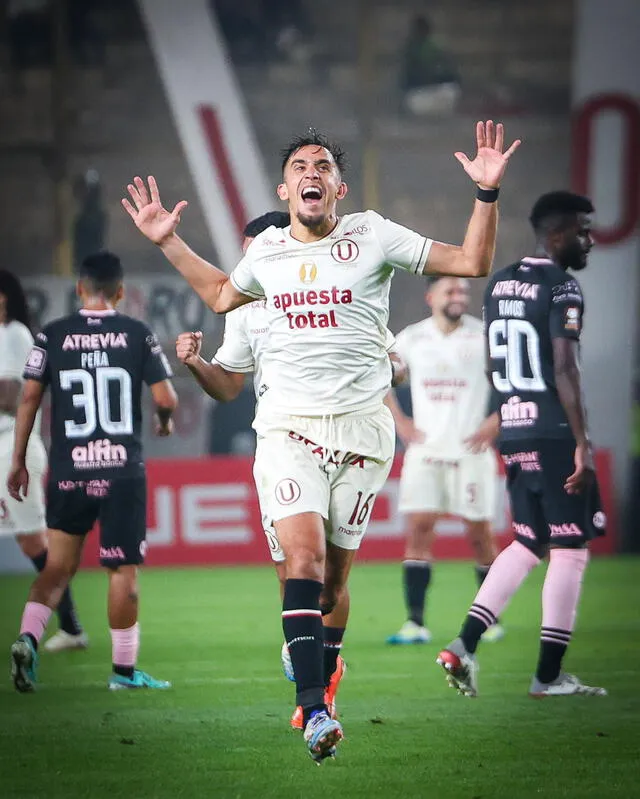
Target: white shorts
x,y
275,550
27,516
464,487
296,474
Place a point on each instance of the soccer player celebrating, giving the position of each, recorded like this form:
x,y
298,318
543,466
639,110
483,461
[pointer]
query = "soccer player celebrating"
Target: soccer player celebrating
x,y
245,338
325,438
26,520
533,317
95,362
449,392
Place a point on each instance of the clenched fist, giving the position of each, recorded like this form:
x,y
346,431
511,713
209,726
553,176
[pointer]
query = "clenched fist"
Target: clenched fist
x,y
188,347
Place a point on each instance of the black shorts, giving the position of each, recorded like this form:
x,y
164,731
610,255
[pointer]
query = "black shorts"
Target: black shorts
x,y
543,513
119,505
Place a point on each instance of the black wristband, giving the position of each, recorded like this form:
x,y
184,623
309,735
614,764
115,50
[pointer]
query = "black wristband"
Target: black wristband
x,y
487,195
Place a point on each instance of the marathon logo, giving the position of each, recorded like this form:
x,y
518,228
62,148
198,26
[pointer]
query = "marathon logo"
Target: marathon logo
x,y
94,341
515,288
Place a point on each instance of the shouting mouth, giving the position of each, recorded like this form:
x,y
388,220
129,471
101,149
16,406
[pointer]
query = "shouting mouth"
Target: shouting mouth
x,y
311,197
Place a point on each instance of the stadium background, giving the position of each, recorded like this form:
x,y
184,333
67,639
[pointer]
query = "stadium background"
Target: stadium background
x,y
93,92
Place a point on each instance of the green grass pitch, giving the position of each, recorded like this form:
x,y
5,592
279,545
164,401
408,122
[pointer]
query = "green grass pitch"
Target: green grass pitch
x,y
222,731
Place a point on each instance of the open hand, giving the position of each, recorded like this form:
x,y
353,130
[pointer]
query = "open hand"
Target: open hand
x,y
149,215
488,167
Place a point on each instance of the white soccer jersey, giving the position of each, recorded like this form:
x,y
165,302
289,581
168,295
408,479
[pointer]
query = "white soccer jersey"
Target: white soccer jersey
x,y
245,339
15,345
327,306
449,388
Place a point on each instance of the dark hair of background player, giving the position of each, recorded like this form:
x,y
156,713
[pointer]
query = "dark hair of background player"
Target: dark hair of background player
x,y
313,137
17,306
271,219
555,211
102,273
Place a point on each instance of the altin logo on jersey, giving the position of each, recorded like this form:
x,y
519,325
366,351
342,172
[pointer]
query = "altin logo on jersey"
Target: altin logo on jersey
x,y
302,319
516,413
100,454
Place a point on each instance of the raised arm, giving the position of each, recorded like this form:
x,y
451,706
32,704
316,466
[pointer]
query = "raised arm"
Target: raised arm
x,y
475,256
159,225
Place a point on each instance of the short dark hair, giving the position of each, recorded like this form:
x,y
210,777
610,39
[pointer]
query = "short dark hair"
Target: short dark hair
x,y
314,138
270,219
17,306
557,209
102,272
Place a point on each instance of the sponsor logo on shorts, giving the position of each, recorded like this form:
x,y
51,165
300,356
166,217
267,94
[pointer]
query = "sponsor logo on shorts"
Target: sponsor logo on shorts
x,y
523,530
287,491
599,520
143,548
112,553
346,531
561,530
516,413
4,511
99,454
528,461
336,457
274,544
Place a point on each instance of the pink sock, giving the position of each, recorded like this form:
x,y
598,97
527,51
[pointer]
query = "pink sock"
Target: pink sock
x,y
506,575
35,619
125,645
561,593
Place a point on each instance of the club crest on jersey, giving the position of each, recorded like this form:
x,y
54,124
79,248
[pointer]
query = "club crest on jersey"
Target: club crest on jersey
x,y
308,273
345,251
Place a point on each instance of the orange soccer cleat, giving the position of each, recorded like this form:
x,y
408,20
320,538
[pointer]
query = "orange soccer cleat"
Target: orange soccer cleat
x,y
329,696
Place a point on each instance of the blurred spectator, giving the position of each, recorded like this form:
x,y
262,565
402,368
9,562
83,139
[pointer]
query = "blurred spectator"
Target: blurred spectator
x,y
290,29
30,35
430,79
264,29
90,223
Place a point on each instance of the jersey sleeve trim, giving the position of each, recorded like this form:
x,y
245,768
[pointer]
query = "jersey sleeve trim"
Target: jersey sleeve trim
x,y
233,368
424,256
247,292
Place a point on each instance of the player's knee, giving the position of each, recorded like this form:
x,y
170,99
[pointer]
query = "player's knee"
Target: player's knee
x,y
305,564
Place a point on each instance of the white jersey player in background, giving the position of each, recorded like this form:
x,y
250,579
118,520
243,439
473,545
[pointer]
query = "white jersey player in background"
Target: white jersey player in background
x,y
325,438
26,520
445,355
245,338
